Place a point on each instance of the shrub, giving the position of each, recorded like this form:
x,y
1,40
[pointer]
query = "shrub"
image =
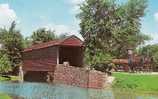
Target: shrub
x,y
5,65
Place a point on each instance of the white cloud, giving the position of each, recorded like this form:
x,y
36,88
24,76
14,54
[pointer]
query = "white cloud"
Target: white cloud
x,y
156,16
75,10
75,2
61,29
154,39
75,6
7,15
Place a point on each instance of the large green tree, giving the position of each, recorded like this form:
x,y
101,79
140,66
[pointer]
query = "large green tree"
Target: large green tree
x,y
128,33
12,42
42,35
110,28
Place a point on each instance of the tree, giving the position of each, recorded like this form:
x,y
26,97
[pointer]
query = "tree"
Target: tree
x,y
42,35
12,41
5,65
150,51
128,33
27,42
110,28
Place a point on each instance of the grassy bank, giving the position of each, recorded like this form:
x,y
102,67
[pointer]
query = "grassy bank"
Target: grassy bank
x,y
4,96
12,78
136,81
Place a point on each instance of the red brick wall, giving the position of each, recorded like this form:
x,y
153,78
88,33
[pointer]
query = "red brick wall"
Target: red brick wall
x,y
78,77
96,79
70,75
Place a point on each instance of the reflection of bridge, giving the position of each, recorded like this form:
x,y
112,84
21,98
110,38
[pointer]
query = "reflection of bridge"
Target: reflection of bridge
x,y
137,64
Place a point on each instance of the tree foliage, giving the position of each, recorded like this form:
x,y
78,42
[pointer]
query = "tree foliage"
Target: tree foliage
x,y
110,28
42,35
150,51
5,64
27,42
12,41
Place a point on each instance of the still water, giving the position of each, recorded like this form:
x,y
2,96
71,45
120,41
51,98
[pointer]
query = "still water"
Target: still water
x,y
49,91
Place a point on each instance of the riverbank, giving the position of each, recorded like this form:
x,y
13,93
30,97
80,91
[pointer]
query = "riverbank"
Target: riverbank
x,y
4,96
136,81
9,78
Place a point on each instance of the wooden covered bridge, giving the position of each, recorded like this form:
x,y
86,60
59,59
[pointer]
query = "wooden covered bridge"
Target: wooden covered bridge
x,y
60,61
42,58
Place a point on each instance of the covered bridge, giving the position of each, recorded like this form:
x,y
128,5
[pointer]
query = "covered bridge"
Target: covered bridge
x,y
44,62
42,58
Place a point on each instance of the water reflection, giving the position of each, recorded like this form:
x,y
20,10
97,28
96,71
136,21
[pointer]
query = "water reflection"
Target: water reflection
x,y
46,91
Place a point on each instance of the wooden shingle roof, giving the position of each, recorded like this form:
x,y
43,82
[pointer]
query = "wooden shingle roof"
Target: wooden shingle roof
x,y
69,41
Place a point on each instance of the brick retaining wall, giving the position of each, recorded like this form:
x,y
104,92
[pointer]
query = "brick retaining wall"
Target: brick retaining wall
x,y
96,79
78,77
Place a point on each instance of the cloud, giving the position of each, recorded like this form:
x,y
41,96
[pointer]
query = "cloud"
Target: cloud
x,y
61,29
154,39
156,16
75,2
7,15
75,6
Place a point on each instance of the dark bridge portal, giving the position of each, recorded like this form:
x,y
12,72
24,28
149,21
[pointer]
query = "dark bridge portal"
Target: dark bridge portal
x,y
73,55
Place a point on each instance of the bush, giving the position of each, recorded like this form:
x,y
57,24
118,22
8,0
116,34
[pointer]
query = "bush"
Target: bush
x,y
5,65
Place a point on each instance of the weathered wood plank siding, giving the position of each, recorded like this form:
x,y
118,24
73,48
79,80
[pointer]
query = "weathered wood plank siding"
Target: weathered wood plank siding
x,y
72,41
40,60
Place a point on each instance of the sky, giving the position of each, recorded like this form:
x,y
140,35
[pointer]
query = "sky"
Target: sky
x,y
60,15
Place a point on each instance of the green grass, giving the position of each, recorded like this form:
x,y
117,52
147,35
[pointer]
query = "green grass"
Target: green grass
x,y
4,96
136,82
13,78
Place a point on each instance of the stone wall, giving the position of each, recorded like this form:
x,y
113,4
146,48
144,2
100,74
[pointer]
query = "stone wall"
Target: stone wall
x,y
78,77
96,79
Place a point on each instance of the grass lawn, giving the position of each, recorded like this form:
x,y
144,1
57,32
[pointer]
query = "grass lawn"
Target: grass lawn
x,y
13,78
4,96
136,81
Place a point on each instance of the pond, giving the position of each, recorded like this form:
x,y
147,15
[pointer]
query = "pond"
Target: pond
x,y
49,91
